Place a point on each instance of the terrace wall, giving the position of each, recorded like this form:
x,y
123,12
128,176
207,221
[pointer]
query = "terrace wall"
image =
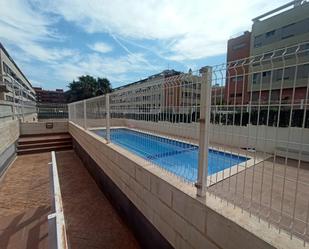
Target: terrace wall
x,y
169,206
33,128
9,131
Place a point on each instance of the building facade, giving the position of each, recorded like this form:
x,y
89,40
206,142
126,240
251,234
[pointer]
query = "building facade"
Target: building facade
x,y
167,93
14,86
49,96
273,32
17,96
238,48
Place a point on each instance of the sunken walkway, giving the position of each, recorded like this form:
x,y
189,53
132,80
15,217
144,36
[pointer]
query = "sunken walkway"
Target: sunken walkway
x,y
91,221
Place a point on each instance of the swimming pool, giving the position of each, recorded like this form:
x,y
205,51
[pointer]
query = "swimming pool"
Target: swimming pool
x,y
177,157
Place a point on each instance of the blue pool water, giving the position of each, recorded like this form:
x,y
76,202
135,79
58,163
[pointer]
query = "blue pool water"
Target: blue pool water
x,y
177,157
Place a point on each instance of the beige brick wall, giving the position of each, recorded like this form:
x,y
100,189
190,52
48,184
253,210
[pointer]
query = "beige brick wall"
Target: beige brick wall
x,y
40,127
9,133
172,206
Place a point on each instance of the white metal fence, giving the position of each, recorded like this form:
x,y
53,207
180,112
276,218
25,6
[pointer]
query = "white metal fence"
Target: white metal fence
x,y
238,131
9,110
52,111
19,100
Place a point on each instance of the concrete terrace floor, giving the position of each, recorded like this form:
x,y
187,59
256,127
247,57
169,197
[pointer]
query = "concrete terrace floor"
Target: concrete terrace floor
x,y
254,186
25,203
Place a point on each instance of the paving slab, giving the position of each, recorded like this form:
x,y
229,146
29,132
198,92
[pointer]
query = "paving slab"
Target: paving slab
x,y
25,203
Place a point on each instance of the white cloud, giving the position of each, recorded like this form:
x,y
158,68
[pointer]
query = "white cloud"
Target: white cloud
x,y
115,69
182,31
101,47
25,28
198,28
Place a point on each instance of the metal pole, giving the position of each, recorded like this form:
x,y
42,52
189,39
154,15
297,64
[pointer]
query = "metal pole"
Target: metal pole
x,y
69,112
14,109
75,120
21,94
201,184
85,114
107,118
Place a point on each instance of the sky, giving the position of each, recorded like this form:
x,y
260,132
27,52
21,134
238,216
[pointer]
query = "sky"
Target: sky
x,y
55,41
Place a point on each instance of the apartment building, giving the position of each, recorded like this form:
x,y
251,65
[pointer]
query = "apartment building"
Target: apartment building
x,y
50,96
168,92
238,48
286,26
14,86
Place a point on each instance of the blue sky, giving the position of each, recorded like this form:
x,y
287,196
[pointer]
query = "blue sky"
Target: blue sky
x,y
55,41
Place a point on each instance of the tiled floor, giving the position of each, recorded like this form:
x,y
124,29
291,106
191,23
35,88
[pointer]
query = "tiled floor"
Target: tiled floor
x,y
25,203
91,221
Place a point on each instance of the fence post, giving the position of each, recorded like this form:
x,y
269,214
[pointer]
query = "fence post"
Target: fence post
x,y
107,118
205,104
74,120
69,112
22,107
85,114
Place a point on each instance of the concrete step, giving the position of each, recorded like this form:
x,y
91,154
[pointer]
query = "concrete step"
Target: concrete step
x,y
44,144
44,149
44,139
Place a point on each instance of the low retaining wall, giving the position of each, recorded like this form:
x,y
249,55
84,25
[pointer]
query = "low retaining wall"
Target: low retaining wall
x,y
9,133
155,203
42,128
145,232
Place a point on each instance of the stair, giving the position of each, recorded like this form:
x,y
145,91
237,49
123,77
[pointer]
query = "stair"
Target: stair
x,y
31,144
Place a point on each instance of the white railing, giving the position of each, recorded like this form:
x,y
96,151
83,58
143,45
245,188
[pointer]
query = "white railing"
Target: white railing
x,y
251,127
10,111
52,111
56,222
20,101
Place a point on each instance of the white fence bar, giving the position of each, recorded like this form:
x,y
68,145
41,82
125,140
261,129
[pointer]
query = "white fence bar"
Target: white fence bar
x,y
108,138
85,114
56,223
204,132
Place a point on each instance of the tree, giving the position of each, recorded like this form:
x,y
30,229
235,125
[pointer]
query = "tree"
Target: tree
x,y
104,86
86,87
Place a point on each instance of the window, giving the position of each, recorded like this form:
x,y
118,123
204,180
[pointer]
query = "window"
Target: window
x,y
258,41
289,73
277,76
237,95
238,78
274,95
266,74
256,78
239,46
255,96
270,33
303,71
288,31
